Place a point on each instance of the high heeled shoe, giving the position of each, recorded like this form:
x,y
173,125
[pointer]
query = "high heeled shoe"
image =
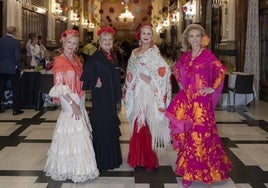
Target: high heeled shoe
x,y
186,183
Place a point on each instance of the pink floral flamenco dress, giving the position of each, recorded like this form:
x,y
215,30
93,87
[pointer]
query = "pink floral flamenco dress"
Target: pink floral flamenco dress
x,y
201,154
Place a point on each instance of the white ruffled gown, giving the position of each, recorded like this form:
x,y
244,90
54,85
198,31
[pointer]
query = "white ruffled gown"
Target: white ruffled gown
x,y
71,155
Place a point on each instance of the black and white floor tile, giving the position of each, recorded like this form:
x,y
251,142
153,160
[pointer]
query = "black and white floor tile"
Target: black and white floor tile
x,y
25,139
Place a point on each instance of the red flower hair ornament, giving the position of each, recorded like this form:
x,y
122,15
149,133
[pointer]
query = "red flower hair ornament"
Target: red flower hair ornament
x,y
107,29
67,33
138,32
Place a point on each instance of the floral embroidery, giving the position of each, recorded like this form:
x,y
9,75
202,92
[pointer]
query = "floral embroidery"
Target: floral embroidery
x,y
129,77
162,71
110,56
165,98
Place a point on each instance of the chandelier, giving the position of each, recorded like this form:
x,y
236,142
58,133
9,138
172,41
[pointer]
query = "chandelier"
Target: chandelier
x,y
126,16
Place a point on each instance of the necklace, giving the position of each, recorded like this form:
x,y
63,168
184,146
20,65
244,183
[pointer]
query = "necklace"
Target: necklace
x,y
194,56
75,64
71,59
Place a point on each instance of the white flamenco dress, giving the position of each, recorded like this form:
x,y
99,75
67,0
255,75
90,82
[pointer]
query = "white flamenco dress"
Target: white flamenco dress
x,y
71,155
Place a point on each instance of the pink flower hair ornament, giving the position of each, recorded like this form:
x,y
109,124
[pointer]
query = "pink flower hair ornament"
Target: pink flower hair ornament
x,y
107,29
70,32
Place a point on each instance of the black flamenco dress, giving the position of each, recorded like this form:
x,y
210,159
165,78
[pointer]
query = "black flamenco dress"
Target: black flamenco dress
x,y
104,120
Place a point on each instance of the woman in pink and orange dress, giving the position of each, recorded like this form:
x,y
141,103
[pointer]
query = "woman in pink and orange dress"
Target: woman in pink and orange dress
x,y
200,75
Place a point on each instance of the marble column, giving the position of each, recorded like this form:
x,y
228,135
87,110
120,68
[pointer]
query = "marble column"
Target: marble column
x,y
198,6
51,25
228,21
14,18
227,47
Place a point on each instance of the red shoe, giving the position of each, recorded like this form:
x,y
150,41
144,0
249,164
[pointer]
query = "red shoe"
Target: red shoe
x,y
186,183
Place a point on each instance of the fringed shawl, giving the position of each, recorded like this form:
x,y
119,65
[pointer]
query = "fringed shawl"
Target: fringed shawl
x,y
68,74
143,100
206,71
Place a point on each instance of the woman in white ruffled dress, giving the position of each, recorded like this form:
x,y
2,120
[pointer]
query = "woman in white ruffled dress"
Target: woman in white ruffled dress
x,y
71,155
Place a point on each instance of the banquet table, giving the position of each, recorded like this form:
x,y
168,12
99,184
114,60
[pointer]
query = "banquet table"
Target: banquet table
x,y
32,83
239,98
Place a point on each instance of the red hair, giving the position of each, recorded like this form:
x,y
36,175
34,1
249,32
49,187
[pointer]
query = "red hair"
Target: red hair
x,y
138,32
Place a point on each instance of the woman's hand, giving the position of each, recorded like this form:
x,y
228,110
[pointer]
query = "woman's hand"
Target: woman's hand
x,y
161,109
76,111
98,83
145,78
123,93
180,86
207,90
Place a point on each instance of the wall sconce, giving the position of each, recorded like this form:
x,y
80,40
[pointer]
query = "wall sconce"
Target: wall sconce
x,y
91,25
219,3
75,19
85,22
175,17
190,10
158,28
165,23
58,10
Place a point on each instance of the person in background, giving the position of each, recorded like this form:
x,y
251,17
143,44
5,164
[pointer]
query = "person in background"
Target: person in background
x,y
35,52
42,48
101,75
147,92
71,154
88,50
28,50
47,62
10,68
200,75
163,48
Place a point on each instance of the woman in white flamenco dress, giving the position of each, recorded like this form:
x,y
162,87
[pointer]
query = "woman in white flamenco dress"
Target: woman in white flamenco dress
x,y
71,154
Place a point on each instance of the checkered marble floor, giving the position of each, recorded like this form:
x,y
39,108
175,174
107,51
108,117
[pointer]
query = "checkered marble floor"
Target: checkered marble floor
x,y
25,139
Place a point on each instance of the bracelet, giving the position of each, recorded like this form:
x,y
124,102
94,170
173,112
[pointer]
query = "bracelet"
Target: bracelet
x,y
71,102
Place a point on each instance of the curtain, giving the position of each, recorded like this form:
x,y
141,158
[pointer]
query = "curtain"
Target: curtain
x,y
252,53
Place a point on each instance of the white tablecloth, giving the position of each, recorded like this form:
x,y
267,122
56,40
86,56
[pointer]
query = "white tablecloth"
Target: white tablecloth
x,y
239,98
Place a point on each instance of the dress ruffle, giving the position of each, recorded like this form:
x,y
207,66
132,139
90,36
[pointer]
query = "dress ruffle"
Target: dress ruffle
x,y
140,149
71,155
58,90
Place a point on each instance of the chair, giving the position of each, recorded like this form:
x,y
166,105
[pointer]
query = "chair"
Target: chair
x,y
174,84
30,84
225,89
46,83
243,85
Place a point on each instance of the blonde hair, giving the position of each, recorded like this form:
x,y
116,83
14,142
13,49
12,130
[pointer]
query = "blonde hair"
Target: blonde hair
x,y
69,36
105,33
184,42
